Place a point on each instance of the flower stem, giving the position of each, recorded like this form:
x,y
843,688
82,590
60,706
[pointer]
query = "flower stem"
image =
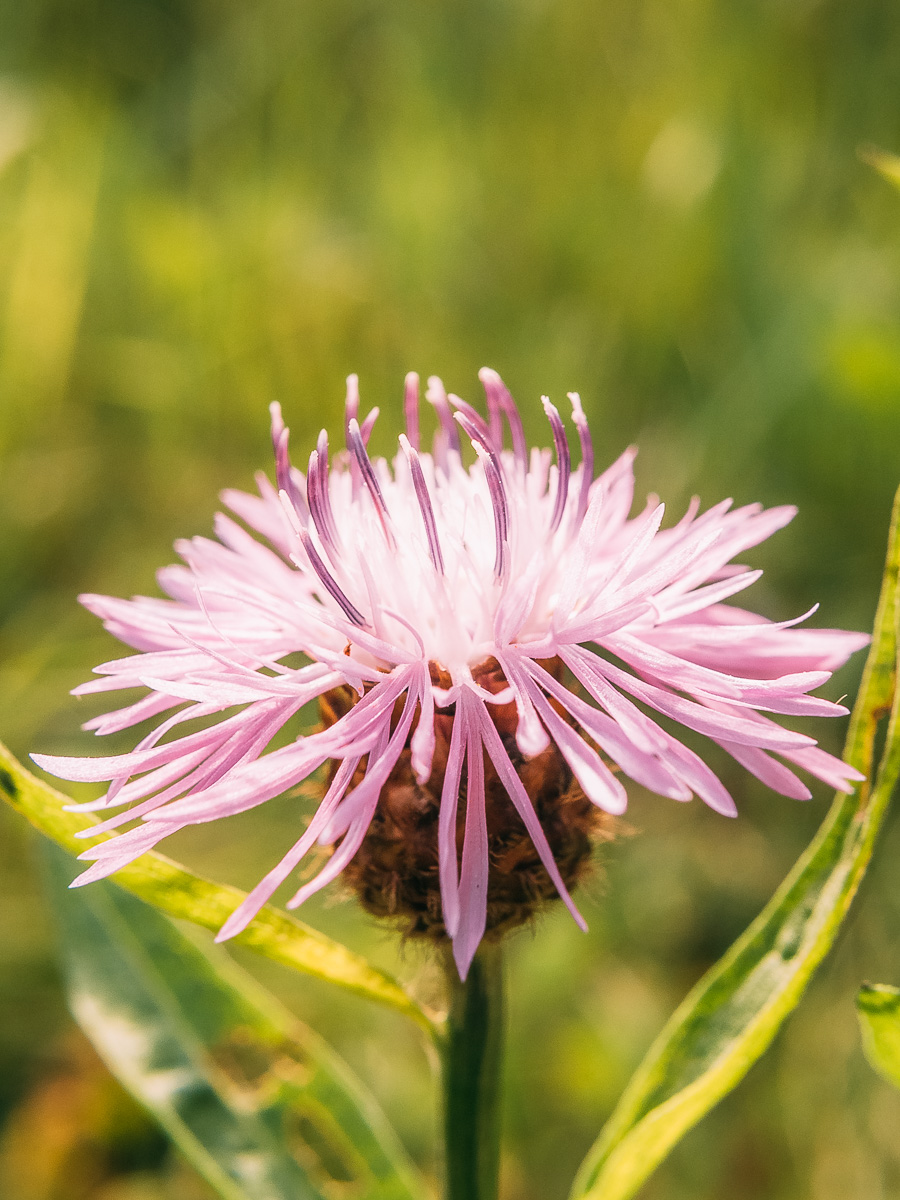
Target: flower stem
x,y
472,1056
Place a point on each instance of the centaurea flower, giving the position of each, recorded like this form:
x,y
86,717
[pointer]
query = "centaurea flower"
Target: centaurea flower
x,y
487,641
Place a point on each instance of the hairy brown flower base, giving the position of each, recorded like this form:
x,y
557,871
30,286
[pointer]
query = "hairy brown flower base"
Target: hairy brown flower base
x,y
395,871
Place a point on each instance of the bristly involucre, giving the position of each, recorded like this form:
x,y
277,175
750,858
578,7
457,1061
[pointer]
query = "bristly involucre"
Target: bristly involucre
x,y
481,610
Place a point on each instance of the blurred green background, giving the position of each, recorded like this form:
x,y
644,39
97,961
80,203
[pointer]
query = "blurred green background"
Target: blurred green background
x,y
207,206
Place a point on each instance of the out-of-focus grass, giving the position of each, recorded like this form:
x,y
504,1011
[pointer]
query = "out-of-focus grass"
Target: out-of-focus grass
x,y
206,207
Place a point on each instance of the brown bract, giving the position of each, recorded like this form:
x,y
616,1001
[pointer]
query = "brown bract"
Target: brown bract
x,y
395,871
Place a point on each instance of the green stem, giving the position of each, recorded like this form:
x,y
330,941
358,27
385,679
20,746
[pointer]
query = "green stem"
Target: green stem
x,y
472,1055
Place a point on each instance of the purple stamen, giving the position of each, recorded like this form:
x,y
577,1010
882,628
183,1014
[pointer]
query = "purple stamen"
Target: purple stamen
x,y
351,412
437,397
318,494
563,460
284,473
477,421
411,408
424,499
498,502
365,430
480,437
495,415
499,398
329,582
324,489
358,451
277,426
494,474
351,403
312,496
587,454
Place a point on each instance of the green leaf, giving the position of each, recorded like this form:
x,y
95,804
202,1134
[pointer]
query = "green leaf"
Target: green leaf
x,y
729,1019
258,1103
173,889
878,1008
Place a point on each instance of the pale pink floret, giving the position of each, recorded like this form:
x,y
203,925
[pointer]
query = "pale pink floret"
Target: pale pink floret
x,y
374,570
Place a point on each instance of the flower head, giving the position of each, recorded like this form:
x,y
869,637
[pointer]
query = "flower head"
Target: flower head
x,y
473,629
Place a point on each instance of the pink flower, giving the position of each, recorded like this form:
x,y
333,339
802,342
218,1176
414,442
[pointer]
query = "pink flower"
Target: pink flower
x,y
389,576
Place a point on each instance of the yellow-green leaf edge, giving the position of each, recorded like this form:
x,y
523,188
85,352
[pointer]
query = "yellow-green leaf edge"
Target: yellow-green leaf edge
x,y
173,889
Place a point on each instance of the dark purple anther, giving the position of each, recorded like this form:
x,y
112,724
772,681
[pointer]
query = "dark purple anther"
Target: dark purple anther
x,y
324,490
587,455
499,398
318,495
365,430
360,457
563,460
424,499
312,496
285,475
277,425
328,581
494,476
479,433
477,421
351,412
437,397
501,510
411,408
351,402
495,414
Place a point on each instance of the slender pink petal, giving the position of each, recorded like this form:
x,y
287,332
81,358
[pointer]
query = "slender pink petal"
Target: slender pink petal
x,y
635,724
266,888
698,776
768,770
705,720
522,802
647,768
382,760
447,864
423,740
142,710
825,766
473,881
361,802
531,736
597,781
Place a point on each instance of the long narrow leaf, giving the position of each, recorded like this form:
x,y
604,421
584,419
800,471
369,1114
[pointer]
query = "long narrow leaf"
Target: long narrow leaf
x,y
731,1016
173,889
119,995
257,1102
